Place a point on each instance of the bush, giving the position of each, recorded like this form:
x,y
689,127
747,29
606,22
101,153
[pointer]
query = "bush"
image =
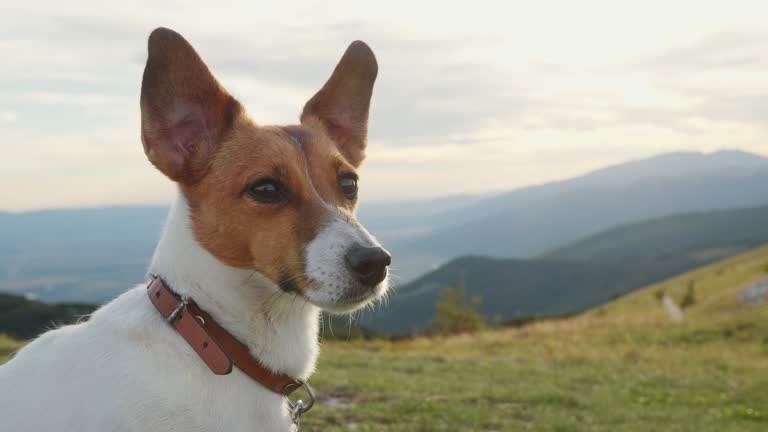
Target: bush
x,y
689,299
455,313
523,320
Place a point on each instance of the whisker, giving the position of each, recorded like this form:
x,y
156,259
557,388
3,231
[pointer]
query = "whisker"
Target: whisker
x,y
294,277
330,325
322,326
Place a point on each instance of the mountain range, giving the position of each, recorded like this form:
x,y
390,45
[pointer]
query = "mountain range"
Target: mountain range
x,y
578,276
93,254
530,221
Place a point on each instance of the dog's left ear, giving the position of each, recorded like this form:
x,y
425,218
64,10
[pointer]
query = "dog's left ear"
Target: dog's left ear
x,y
343,102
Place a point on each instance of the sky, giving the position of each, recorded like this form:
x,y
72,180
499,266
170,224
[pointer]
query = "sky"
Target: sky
x,y
471,96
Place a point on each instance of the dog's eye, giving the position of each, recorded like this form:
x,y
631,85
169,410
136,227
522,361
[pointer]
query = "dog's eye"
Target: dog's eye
x,y
267,191
348,185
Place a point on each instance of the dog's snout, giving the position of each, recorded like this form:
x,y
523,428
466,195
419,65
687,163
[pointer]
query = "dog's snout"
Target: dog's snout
x,y
368,264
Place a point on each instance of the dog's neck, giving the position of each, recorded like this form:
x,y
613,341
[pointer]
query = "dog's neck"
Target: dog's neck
x,y
280,329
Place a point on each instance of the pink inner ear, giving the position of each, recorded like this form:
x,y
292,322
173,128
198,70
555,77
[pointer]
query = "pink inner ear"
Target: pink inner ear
x,y
187,126
340,125
189,131
175,136
338,133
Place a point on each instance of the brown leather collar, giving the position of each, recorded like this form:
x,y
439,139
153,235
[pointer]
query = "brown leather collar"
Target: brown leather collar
x,y
215,346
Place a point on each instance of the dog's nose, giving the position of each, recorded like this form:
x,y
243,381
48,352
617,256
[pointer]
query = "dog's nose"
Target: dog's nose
x,y
368,264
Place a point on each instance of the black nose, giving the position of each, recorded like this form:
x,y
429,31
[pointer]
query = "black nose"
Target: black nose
x,y
368,264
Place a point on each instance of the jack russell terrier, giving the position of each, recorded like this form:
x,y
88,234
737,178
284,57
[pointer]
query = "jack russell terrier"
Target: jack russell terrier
x,y
262,237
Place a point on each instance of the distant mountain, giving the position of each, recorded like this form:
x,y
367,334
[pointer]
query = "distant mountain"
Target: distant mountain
x,y
572,278
530,221
394,221
94,254
677,165
90,254
672,235
582,275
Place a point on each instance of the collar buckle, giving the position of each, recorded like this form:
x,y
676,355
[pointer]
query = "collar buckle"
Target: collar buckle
x,y
180,306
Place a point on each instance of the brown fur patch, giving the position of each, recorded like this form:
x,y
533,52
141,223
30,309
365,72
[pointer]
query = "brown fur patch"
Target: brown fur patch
x,y
199,136
270,239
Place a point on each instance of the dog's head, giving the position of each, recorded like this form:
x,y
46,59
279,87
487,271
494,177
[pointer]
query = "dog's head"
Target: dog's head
x,y
276,199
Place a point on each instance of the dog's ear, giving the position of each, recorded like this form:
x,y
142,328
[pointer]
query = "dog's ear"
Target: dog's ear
x,y
343,102
184,110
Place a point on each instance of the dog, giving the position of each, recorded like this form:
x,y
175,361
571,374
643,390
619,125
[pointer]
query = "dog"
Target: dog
x,y
261,238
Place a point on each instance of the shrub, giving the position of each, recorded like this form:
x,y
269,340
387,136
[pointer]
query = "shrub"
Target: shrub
x,y
689,299
520,321
455,313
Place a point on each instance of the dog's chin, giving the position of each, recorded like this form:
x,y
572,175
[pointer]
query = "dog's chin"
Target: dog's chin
x,y
349,301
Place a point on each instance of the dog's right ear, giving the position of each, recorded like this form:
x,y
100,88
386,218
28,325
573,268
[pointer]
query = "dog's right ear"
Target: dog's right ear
x,y
184,110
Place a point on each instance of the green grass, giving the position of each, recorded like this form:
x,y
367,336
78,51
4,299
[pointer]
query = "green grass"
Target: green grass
x,y
621,367
7,347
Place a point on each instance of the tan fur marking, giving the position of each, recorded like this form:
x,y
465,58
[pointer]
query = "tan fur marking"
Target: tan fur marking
x,y
200,137
270,239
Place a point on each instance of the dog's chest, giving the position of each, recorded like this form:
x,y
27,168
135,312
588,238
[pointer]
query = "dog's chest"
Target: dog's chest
x,y
227,403
98,376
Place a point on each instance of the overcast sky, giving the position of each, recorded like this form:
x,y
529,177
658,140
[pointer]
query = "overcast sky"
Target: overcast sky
x,y
480,96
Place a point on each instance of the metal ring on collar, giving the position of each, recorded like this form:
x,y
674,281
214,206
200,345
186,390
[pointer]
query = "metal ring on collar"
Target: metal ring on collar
x,y
300,407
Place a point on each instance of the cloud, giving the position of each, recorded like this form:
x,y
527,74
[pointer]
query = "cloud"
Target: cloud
x,y
7,116
426,90
504,98
432,88
723,50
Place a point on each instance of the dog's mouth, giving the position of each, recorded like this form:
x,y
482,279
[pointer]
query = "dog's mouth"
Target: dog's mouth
x,y
350,303
335,297
290,284
355,299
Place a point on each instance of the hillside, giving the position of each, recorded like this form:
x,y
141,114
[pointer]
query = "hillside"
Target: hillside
x,y
673,235
22,319
567,281
719,288
623,367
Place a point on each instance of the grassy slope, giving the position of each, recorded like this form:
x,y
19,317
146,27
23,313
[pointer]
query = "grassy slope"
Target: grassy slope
x,y
621,367
7,347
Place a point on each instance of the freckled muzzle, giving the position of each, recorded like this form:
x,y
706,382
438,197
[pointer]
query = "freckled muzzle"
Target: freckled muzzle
x,y
346,266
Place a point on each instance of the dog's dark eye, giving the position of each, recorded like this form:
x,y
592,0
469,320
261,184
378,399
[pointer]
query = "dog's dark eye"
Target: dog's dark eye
x,y
348,185
267,191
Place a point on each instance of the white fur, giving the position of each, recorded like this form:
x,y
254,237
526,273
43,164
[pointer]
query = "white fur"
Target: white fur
x,y
325,265
324,255
125,369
